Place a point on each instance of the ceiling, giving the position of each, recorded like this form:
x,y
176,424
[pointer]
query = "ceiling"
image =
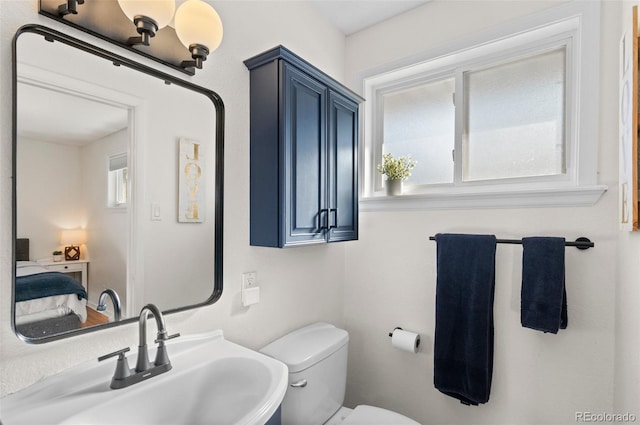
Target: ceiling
x,y
351,16
58,117
47,112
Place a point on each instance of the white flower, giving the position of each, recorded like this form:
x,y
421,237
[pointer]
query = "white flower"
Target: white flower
x,y
396,168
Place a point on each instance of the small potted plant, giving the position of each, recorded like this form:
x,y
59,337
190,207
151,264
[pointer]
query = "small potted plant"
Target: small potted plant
x,y
57,256
397,170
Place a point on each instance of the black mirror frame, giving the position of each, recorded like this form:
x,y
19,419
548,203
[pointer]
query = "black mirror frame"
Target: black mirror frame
x,y
53,35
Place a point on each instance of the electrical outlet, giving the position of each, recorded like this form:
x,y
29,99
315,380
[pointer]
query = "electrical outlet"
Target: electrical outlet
x,y
249,280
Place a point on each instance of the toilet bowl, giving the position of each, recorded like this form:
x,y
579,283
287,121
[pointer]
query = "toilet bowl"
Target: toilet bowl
x,y
368,415
316,356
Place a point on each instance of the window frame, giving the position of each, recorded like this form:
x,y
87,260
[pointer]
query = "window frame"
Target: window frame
x,y
571,27
115,182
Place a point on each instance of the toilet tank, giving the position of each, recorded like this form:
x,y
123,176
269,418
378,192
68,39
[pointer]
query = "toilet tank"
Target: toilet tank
x,y
316,356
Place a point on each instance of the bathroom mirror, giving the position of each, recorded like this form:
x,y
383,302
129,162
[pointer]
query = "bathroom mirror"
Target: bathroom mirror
x,y
119,167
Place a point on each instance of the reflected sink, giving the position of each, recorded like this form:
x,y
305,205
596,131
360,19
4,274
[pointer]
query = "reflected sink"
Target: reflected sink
x,y
213,381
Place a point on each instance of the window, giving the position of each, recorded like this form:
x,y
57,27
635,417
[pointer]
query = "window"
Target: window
x,y
421,120
117,181
512,114
514,119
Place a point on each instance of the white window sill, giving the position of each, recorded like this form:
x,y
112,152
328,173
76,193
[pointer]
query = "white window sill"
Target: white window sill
x,y
556,197
121,209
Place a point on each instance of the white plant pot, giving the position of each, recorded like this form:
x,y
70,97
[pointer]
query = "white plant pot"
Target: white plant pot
x,y
58,257
394,187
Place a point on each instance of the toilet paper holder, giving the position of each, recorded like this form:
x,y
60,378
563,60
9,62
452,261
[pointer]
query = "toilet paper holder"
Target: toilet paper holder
x,y
398,327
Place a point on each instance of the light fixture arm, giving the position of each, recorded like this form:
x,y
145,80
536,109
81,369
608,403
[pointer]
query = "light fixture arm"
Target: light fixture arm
x,y
70,8
146,27
199,53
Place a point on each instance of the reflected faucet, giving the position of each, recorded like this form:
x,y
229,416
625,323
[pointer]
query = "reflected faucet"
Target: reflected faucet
x,y
115,300
123,376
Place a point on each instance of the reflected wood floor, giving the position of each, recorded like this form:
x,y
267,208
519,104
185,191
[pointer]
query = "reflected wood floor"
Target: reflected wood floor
x,y
94,318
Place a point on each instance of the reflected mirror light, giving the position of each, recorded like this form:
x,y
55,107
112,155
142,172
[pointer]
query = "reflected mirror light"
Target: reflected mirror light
x,y
108,152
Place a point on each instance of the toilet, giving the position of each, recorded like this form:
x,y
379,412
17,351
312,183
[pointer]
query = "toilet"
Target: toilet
x,y
316,356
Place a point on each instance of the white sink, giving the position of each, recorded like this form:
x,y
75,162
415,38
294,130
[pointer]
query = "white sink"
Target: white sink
x,y
213,381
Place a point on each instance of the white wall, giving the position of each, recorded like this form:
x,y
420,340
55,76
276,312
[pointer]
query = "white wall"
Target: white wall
x,y
49,182
175,253
106,228
537,378
627,361
298,285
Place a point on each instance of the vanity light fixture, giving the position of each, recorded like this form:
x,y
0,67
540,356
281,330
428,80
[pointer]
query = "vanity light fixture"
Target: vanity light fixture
x,y
148,16
71,7
197,27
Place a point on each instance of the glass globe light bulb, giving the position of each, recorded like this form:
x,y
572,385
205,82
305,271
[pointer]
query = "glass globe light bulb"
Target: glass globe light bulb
x,y
160,11
196,22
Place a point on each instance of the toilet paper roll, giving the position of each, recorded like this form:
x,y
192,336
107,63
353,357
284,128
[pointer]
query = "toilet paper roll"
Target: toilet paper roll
x,y
405,340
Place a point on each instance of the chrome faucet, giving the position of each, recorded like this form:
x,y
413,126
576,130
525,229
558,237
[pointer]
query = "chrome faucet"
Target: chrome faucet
x,y
123,376
115,300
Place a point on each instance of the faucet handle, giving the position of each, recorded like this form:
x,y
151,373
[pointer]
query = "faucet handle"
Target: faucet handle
x,y
115,353
122,366
165,337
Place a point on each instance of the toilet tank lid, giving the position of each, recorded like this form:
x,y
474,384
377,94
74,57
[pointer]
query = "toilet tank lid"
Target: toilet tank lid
x,y
306,346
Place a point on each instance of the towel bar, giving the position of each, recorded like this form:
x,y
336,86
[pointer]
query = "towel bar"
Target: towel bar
x,y
580,243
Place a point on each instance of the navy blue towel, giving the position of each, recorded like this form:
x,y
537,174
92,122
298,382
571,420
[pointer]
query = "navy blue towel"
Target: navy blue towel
x,y
463,342
543,298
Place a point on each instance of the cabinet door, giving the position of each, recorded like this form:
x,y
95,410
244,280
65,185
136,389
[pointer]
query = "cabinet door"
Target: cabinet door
x,y
343,169
304,137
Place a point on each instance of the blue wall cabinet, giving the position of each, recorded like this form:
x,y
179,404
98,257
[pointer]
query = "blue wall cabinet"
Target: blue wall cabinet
x,y
303,153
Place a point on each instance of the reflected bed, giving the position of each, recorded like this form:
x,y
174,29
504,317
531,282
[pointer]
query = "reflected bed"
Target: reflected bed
x,y
42,295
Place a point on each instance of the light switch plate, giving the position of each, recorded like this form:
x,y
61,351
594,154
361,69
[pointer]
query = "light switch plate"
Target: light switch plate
x,y
156,215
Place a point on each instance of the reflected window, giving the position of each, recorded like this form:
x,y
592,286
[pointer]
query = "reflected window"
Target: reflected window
x,y
118,181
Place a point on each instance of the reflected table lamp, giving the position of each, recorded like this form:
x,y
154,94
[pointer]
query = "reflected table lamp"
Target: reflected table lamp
x,y
72,239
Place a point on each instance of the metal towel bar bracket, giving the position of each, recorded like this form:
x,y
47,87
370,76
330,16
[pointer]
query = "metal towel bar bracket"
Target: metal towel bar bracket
x,y
580,243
